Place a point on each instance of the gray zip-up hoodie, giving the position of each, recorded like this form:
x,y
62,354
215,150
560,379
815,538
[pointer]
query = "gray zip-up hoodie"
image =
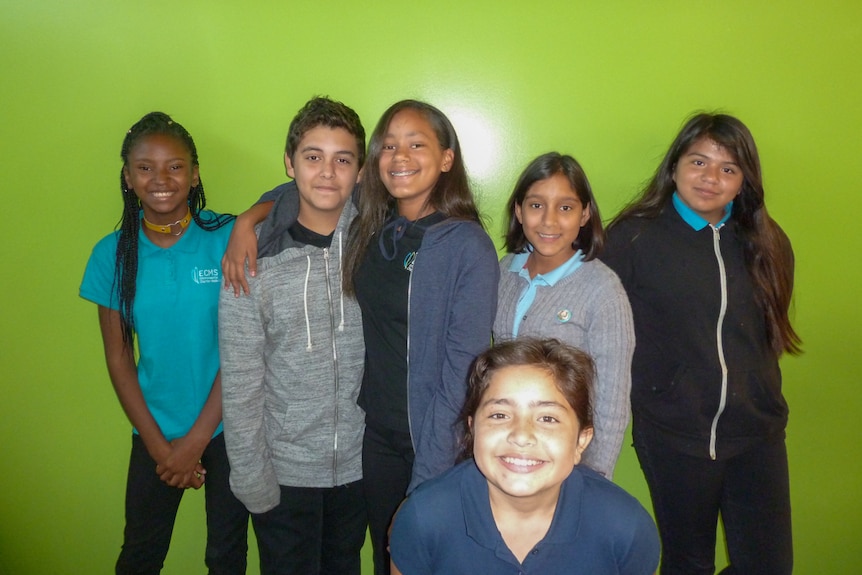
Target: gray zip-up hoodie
x,y
292,355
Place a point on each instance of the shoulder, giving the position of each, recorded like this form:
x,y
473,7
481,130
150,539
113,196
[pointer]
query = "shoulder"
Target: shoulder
x,y
432,507
605,500
211,217
598,271
628,229
459,230
107,244
593,283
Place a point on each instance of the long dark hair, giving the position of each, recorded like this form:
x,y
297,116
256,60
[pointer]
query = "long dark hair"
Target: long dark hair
x,y
451,195
768,255
126,265
591,238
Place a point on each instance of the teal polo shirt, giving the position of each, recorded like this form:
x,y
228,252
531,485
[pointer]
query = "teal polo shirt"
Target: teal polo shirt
x,y
176,318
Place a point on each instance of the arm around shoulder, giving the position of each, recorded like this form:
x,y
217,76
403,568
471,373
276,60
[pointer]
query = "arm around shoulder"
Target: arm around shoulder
x,y
242,248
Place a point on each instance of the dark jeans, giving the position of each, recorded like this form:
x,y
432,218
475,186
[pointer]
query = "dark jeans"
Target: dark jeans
x,y
751,491
313,530
387,464
151,507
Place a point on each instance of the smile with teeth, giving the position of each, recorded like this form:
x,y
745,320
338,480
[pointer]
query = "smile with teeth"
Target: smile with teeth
x,y
521,462
403,173
161,195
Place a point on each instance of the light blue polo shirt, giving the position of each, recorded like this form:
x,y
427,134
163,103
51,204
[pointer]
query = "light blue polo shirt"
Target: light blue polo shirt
x,y
518,266
176,318
693,219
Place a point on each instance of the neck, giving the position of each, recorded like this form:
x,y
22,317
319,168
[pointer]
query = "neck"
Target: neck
x,y
323,224
175,229
522,524
415,211
537,264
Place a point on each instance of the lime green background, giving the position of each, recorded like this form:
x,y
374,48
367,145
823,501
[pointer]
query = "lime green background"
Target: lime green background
x,y
609,82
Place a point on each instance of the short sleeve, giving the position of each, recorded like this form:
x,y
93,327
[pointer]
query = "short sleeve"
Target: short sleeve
x,y
98,283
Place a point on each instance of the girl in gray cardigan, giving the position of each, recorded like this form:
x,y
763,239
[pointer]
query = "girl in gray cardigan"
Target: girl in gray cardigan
x,y
552,285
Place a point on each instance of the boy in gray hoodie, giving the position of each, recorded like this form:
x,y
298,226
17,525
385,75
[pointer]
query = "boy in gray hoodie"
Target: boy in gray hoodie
x,y
292,355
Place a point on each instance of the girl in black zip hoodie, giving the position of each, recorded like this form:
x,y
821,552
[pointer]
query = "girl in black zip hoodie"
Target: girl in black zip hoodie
x,y
709,276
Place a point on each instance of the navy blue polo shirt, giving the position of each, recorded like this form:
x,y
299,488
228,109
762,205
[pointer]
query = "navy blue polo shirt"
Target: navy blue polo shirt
x,y
446,526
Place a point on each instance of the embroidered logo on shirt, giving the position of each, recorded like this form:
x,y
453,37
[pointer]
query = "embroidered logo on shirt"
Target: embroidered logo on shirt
x,y
564,315
206,276
409,259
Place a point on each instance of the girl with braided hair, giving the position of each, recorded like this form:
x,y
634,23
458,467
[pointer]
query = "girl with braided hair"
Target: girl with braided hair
x,y
157,280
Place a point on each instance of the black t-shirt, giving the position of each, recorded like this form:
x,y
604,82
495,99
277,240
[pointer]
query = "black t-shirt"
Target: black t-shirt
x,y
305,236
382,284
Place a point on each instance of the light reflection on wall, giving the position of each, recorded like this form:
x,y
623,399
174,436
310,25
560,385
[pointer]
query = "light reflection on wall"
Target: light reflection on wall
x,y
480,141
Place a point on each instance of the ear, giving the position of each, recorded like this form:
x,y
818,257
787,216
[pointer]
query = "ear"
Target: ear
x,y
518,214
288,166
126,176
359,174
470,422
196,176
585,215
448,159
585,436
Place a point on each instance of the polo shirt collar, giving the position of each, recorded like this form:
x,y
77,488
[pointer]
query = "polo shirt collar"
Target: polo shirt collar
x,y
519,262
693,219
479,519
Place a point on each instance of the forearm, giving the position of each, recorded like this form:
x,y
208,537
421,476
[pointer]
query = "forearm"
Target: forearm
x,y
123,373
254,215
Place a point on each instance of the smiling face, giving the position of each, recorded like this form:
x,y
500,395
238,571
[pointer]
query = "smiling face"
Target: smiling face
x,y
411,161
707,177
160,171
325,166
526,436
552,217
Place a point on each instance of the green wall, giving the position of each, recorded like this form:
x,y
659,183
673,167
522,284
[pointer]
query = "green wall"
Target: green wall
x,y
609,82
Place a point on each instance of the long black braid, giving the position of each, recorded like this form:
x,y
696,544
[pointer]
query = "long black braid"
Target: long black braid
x,y
126,267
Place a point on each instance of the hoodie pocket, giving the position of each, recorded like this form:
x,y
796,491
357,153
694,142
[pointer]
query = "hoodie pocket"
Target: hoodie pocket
x,y
687,402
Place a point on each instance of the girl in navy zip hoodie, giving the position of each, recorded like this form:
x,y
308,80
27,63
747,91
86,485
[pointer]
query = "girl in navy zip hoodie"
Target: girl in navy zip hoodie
x,y
710,276
425,274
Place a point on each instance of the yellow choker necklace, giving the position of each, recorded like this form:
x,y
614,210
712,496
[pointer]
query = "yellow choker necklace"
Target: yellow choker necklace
x,y
169,228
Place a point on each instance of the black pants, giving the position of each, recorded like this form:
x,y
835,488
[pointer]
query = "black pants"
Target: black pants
x,y
151,508
751,491
313,531
387,464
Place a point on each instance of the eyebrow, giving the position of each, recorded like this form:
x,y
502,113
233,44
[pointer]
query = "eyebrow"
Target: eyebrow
x,y
412,134
316,149
700,155
148,159
507,401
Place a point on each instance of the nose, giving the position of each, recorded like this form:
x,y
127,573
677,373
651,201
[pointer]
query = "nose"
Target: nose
x,y
400,153
328,170
162,175
522,434
711,172
549,216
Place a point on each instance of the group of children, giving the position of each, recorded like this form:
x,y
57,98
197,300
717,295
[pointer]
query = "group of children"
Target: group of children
x,y
349,356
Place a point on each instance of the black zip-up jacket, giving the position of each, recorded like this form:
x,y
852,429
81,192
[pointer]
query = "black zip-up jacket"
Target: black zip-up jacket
x,y
704,377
